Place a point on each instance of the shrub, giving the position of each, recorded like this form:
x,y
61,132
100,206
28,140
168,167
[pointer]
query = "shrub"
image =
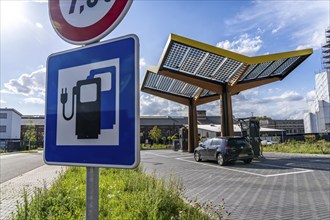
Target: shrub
x,y
316,147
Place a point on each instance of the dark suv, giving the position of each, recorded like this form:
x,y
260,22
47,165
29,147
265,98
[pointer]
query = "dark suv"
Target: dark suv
x,y
224,149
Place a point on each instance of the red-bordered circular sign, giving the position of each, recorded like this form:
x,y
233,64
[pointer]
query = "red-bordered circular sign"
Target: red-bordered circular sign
x,y
86,21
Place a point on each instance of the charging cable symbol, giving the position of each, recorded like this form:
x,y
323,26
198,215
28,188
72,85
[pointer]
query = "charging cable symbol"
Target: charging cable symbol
x,y
88,107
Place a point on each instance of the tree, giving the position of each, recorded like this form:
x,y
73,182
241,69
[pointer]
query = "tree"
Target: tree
x,y
258,118
30,134
164,139
155,134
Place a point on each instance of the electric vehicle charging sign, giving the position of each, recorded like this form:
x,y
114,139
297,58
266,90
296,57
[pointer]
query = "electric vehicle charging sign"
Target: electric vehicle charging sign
x,y
92,105
86,21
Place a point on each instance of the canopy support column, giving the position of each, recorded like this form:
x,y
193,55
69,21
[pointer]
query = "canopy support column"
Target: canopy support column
x,y
192,127
227,128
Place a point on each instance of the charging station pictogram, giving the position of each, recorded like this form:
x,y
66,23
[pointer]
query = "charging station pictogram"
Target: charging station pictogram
x,y
92,105
88,103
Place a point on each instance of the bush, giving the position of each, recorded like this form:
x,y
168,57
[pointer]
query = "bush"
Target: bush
x,y
154,146
309,138
316,147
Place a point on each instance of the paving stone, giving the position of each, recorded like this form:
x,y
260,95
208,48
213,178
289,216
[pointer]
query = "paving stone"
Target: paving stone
x,y
12,191
283,186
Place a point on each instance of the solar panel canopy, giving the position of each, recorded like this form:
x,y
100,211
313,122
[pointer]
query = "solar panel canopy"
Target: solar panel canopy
x,y
189,69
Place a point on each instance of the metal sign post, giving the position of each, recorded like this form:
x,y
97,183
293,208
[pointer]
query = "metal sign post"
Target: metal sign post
x,y
92,193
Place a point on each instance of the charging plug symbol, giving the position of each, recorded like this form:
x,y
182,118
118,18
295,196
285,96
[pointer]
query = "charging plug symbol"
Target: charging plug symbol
x,y
64,99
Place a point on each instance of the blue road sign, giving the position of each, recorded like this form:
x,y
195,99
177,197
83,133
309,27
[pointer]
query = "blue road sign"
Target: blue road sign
x,y
92,105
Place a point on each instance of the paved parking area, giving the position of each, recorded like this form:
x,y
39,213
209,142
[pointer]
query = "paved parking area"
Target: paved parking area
x,y
281,186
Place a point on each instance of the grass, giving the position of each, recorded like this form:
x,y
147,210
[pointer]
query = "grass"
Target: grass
x,y
316,147
155,146
123,194
28,151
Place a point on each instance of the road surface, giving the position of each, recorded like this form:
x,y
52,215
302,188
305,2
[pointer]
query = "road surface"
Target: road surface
x,y
13,165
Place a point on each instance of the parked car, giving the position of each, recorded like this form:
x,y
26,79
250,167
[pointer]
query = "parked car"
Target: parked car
x,y
224,150
267,142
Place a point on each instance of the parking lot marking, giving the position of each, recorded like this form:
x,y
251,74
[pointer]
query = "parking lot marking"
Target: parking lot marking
x,y
219,167
158,155
271,165
168,155
251,173
289,173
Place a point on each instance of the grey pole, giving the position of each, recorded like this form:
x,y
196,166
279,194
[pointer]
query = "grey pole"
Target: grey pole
x,y
92,193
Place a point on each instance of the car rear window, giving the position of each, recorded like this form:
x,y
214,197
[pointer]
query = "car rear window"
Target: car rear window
x,y
238,142
216,142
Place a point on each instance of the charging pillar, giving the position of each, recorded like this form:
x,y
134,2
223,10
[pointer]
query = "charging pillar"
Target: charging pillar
x,y
227,128
192,124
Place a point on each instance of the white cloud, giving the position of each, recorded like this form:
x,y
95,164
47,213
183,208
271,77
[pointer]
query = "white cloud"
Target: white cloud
x,y
283,105
153,105
287,96
34,101
245,44
27,84
275,30
143,62
315,41
39,25
311,95
254,91
286,105
303,22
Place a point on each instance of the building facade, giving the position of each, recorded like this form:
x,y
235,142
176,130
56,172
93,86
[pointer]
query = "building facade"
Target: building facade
x,y
171,125
36,122
317,120
10,127
289,126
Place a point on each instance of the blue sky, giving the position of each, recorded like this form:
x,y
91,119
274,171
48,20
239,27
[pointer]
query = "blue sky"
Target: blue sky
x,y
248,27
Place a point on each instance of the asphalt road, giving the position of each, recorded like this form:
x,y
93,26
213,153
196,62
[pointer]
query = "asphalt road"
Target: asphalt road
x,y
281,186
13,165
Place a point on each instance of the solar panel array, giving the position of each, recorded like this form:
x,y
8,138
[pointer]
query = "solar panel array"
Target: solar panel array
x,y
219,67
172,86
189,60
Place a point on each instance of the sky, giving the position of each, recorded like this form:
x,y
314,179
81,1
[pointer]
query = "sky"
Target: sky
x,y
248,27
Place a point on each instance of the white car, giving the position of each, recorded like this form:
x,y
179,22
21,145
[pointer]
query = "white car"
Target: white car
x,y
267,142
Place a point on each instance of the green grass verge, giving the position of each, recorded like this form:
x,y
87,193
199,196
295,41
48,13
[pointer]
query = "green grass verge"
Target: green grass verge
x,y
317,147
28,151
154,146
123,194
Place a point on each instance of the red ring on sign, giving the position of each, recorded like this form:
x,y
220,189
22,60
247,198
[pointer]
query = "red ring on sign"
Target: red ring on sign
x,y
78,34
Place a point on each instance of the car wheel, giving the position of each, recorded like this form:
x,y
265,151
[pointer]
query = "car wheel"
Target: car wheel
x,y
220,160
247,161
197,156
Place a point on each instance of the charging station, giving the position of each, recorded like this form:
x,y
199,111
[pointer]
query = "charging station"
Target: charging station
x,y
92,105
